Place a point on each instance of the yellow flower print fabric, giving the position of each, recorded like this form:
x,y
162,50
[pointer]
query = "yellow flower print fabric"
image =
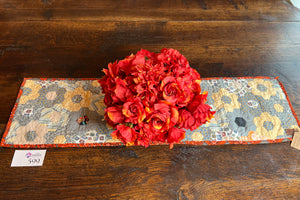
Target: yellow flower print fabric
x,y
261,87
224,99
48,114
248,111
76,99
69,113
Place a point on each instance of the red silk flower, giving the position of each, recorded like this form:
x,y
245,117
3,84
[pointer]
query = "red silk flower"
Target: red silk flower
x,y
153,97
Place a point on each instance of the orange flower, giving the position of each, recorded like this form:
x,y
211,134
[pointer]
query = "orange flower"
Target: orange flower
x,y
175,135
124,133
134,111
122,92
162,117
174,92
199,110
114,115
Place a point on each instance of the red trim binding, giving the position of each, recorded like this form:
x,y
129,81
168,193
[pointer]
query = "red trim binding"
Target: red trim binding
x,y
246,77
255,142
238,142
3,144
275,141
68,145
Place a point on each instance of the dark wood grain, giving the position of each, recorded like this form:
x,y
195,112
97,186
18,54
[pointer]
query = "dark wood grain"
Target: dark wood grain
x,y
145,10
48,38
186,172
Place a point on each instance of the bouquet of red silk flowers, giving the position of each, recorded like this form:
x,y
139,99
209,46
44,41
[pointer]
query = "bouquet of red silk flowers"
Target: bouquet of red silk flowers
x,y
153,97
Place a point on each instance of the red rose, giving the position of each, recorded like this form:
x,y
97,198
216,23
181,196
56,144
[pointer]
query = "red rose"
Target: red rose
x,y
201,111
146,89
146,54
126,67
148,98
114,114
198,100
138,60
134,111
108,99
196,87
171,90
175,135
187,120
122,92
124,133
108,84
147,131
113,70
172,57
120,69
142,138
162,117
187,91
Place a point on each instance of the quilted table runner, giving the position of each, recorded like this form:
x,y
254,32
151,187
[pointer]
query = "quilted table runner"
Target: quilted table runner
x,y
69,113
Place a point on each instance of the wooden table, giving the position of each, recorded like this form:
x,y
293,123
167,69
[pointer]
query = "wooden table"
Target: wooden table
x,y
48,38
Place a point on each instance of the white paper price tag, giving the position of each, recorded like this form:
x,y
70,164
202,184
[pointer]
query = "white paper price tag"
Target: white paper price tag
x,y
28,158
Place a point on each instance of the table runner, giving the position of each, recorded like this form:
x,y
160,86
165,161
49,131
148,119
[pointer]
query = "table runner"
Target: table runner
x,y
69,113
